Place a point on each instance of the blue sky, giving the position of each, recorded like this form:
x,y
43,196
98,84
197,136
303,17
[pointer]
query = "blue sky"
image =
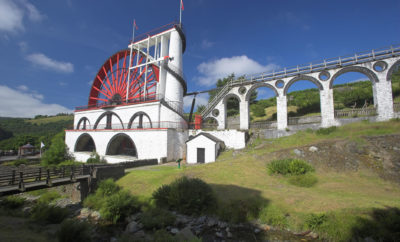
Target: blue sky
x,y
51,50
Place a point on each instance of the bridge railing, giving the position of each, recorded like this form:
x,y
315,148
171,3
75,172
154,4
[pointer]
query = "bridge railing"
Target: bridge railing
x,y
346,60
355,112
24,176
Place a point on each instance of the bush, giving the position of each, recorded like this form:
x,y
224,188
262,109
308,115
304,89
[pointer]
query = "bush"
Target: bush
x,y
259,111
95,159
326,131
21,162
74,230
157,218
48,197
49,214
118,206
186,195
113,203
238,211
274,216
314,221
289,167
163,236
305,180
12,202
57,152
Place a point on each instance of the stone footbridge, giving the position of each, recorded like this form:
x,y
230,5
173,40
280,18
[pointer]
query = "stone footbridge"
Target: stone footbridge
x,y
378,65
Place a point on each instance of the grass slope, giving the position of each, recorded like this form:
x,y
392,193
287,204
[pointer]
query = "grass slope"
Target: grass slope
x,y
344,197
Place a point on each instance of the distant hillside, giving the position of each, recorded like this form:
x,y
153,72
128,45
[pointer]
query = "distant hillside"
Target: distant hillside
x,y
17,131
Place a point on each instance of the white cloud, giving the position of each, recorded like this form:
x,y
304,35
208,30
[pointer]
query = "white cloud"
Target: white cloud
x,y
23,88
213,70
12,14
201,99
19,104
23,46
45,62
205,44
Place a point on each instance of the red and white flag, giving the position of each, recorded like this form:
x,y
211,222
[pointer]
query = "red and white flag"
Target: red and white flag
x,y
134,24
182,5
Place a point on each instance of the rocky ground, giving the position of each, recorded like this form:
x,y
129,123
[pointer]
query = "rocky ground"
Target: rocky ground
x,y
380,154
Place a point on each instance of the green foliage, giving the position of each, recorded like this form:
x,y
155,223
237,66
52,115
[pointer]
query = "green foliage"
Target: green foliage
x,y
4,134
326,131
239,211
314,221
200,109
186,195
119,205
304,180
57,152
95,158
48,214
48,197
274,216
113,203
74,230
12,202
258,111
289,167
157,218
17,162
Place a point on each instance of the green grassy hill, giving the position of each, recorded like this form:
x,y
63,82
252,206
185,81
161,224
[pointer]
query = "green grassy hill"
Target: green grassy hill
x,y
345,199
15,132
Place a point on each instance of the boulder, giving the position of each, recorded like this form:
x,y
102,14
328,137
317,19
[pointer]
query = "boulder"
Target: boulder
x,y
186,234
174,231
132,227
313,149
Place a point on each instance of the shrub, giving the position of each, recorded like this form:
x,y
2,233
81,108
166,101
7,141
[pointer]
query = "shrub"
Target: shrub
x,y
118,206
157,218
95,158
238,211
314,221
21,162
186,195
289,167
113,203
74,230
305,180
259,111
274,216
326,131
12,202
163,236
57,151
48,214
49,196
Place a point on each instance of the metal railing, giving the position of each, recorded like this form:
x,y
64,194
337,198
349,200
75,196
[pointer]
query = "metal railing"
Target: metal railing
x,y
355,112
141,99
134,126
326,64
154,32
396,107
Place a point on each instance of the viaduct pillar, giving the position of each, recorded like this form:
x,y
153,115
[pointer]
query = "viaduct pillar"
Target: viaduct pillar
x,y
281,102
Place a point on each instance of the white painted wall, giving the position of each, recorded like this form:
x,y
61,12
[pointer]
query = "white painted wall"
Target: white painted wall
x,y
233,139
201,142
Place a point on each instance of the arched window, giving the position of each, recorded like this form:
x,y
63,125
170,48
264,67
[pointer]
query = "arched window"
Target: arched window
x,y
109,120
140,120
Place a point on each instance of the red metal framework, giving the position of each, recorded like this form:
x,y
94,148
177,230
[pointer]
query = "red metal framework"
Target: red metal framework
x,y
110,84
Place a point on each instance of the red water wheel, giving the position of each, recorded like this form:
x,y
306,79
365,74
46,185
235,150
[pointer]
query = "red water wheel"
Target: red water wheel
x,y
111,81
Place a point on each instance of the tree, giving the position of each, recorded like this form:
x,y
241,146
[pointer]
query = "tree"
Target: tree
x,y
57,151
200,108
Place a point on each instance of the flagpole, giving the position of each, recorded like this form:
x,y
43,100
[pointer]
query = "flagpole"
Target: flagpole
x,y
180,12
130,58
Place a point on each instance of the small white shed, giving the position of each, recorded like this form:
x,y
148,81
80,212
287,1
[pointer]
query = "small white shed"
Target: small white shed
x,y
203,148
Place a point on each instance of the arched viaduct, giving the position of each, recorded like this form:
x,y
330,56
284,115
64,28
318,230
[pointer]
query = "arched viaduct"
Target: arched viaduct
x,y
377,66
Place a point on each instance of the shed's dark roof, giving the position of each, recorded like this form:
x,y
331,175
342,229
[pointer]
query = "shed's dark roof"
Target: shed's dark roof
x,y
27,146
209,136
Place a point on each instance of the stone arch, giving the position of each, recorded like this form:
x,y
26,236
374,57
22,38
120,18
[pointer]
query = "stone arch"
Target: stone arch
x,y
85,142
84,121
363,70
391,70
258,85
229,95
121,144
301,78
140,115
209,118
109,114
